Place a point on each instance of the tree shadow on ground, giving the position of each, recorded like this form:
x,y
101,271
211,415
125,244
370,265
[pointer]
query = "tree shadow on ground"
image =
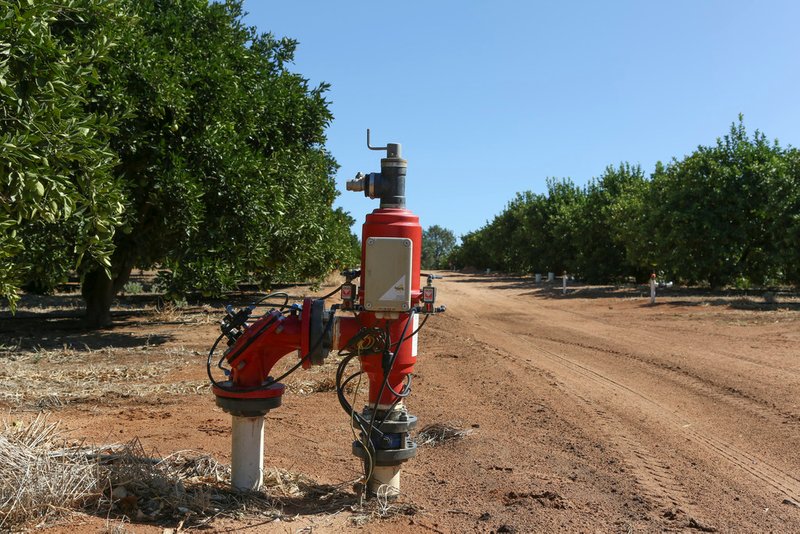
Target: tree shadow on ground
x,y
47,322
750,299
49,334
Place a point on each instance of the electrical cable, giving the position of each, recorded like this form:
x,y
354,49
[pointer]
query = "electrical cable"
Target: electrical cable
x,y
340,393
271,295
353,420
400,396
377,341
270,381
386,373
419,327
210,354
332,293
250,341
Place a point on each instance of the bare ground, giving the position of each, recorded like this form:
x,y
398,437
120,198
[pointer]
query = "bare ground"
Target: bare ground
x,y
590,412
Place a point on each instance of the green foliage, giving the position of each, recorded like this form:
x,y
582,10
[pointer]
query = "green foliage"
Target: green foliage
x,y
711,214
133,288
159,133
785,206
606,225
55,162
437,244
223,159
727,214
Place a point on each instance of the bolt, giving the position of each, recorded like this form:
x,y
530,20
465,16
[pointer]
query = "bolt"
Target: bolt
x,y
370,241
405,306
369,305
407,243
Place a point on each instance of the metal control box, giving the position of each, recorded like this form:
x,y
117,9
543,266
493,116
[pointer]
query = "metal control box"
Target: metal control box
x,y
387,274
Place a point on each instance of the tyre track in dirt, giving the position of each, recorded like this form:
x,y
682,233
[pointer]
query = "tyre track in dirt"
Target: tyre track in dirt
x,y
774,476
654,336
691,437
721,381
760,408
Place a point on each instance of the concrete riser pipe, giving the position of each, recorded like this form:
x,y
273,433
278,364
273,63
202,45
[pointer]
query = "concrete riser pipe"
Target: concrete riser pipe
x,y
247,453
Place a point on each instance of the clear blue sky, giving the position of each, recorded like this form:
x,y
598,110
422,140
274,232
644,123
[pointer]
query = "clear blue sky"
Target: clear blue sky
x,y
491,98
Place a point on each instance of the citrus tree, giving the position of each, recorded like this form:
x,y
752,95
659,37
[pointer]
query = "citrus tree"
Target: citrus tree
x,y
204,153
61,200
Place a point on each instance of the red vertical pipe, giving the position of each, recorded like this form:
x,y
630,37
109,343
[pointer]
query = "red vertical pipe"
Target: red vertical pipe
x,y
391,222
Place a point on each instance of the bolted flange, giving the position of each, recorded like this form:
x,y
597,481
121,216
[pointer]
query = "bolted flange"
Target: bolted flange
x,y
248,407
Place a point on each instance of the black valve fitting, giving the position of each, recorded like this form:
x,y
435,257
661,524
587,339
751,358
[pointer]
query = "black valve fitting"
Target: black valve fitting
x,y
389,185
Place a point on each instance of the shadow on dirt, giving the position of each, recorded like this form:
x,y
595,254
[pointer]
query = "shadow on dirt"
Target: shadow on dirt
x,y
49,334
48,322
752,299
317,499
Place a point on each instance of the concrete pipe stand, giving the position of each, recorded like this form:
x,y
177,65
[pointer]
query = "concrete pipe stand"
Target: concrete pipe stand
x,y
247,453
247,438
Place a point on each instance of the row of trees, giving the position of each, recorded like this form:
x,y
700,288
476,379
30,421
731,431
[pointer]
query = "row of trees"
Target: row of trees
x,y
725,214
142,133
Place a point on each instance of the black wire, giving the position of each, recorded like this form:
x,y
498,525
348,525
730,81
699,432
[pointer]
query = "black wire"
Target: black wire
x,y
386,373
210,354
250,341
377,344
351,377
270,381
366,433
331,293
419,327
340,394
271,295
400,396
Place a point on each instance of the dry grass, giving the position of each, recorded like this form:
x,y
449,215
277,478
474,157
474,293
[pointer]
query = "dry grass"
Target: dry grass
x,y
41,479
438,433
318,378
182,314
51,379
383,506
36,480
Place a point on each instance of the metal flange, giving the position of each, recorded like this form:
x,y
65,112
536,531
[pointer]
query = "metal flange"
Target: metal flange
x,y
248,407
384,457
392,426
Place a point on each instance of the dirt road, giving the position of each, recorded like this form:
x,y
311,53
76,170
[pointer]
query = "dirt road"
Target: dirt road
x,y
611,414
590,412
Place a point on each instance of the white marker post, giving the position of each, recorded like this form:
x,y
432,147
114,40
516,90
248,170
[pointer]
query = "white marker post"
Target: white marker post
x,y
564,284
653,288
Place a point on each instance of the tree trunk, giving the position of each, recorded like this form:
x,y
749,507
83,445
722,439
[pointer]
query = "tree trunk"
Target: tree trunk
x,y
98,291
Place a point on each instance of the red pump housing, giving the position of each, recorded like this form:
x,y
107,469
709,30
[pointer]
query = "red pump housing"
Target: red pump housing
x,y
391,222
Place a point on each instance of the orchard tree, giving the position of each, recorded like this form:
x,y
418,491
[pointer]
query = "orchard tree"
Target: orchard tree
x,y
437,244
564,203
785,206
710,213
223,160
599,241
61,201
180,138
